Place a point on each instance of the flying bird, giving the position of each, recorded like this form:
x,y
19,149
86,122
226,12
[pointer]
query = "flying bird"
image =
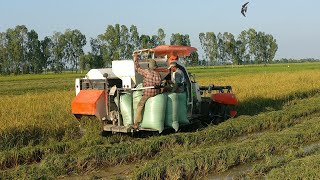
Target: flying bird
x,y
244,9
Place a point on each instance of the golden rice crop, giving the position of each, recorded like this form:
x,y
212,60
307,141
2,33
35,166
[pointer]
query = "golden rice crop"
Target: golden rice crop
x,y
267,85
51,109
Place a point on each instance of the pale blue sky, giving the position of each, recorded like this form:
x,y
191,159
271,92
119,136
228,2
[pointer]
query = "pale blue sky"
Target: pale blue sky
x,y
294,23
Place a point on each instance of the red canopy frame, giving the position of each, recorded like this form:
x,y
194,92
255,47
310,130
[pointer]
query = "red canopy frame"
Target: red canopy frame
x,y
173,50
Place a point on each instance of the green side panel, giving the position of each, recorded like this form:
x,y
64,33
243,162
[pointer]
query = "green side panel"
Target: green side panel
x,y
154,113
126,109
182,109
171,119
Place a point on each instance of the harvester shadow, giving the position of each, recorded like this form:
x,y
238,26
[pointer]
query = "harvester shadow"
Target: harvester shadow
x,y
254,106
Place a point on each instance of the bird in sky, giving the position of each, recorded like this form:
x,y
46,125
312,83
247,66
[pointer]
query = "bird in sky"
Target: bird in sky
x,y
244,9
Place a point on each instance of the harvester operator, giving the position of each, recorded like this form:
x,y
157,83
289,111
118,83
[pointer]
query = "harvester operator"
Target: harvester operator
x,y
150,78
177,78
172,58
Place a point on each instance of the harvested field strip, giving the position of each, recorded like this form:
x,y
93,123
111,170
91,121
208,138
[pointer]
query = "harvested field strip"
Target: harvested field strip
x,y
32,154
197,162
304,168
29,155
125,152
88,154
270,162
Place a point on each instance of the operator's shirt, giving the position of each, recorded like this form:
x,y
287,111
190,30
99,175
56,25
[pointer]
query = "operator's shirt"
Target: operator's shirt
x,y
150,78
178,77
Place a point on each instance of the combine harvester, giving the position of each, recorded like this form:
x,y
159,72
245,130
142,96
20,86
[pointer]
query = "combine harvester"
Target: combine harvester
x,y
112,95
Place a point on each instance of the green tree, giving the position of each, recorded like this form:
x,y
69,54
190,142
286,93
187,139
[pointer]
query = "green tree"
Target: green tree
x,y
35,65
184,40
115,43
73,48
221,48
96,61
46,51
266,48
125,47
58,52
272,48
180,39
252,36
85,60
145,42
161,37
194,59
5,64
230,47
17,40
242,48
158,39
134,38
209,45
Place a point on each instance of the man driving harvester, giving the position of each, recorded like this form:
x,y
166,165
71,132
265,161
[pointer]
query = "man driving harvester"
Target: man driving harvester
x,y
177,77
150,78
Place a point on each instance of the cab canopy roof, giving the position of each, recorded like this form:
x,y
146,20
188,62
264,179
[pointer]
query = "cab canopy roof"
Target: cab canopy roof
x,y
173,50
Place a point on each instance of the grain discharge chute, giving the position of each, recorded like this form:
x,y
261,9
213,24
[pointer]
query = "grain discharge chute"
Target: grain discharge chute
x,y
112,95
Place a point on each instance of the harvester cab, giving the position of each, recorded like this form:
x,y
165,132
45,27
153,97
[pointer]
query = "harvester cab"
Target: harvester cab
x,y
112,95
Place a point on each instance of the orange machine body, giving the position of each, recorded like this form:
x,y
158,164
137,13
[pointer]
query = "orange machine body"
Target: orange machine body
x,y
225,98
90,102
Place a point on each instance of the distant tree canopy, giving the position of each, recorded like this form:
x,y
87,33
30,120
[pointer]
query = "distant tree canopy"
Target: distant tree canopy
x,y
21,51
118,42
249,47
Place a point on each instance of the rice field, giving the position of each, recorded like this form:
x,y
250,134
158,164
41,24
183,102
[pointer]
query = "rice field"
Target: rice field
x,y
278,118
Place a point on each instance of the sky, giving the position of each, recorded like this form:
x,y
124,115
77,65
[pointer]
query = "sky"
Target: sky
x,y
295,24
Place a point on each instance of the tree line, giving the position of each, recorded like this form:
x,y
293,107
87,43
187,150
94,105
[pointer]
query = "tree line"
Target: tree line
x,y
248,48
22,52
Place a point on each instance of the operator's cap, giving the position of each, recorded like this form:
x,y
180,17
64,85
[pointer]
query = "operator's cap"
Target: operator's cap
x,y
152,64
172,64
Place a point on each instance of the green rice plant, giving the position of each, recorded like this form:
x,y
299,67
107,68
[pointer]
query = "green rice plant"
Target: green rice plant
x,y
304,168
259,170
30,154
27,172
197,162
